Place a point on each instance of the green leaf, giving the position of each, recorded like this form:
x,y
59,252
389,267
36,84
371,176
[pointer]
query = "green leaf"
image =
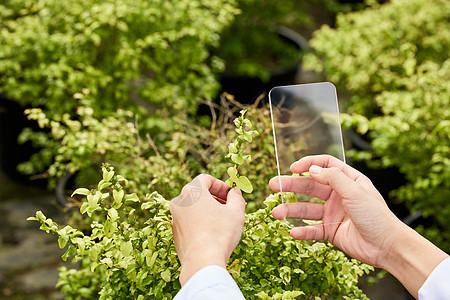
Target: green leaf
x,y
244,184
232,147
229,182
107,261
107,175
103,184
237,158
62,241
118,196
70,251
126,248
81,191
232,172
112,213
84,207
166,275
248,137
132,197
40,216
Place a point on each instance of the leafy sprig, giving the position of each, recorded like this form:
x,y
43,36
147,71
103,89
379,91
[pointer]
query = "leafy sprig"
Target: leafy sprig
x,y
236,153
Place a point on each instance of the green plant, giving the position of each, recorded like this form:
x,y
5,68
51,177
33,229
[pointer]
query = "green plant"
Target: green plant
x,y
83,142
392,60
236,154
128,251
251,46
151,53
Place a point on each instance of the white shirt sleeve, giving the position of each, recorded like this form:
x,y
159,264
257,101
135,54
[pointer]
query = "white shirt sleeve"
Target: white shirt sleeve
x,y
437,285
211,282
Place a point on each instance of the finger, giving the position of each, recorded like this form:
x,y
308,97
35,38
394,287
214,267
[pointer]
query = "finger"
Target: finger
x,y
308,233
235,199
301,210
324,161
300,184
215,186
337,180
220,200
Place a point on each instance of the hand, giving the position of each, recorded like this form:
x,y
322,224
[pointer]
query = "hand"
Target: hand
x,y
367,223
356,219
205,231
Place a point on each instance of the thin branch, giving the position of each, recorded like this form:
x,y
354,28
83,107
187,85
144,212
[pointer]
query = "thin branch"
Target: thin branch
x,y
152,143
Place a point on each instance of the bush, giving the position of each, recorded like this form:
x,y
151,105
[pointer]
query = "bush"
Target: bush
x,y
151,53
251,46
83,142
392,60
128,251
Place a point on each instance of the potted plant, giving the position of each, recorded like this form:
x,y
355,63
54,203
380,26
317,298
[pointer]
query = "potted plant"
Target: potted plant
x,y
262,48
141,56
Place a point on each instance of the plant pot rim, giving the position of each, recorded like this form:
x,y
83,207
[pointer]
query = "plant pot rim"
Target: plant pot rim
x,y
287,33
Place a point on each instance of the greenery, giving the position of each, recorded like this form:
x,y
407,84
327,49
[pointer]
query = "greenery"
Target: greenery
x,y
392,60
151,53
251,46
83,142
237,156
128,251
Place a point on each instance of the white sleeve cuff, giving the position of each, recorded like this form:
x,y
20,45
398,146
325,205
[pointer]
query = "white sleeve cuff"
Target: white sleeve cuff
x,y
437,285
211,282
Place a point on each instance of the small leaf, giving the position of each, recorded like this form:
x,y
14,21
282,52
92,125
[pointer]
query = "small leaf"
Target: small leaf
x,y
70,251
237,159
229,182
126,248
244,184
107,261
166,275
103,184
112,213
62,242
118,196
232,172
132,197
107,175
232,147
81,191
84,207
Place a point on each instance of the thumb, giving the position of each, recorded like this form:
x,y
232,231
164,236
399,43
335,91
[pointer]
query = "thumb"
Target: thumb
x,y
235,199
336,179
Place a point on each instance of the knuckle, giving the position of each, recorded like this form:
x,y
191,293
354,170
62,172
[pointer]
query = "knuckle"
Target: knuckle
x,y
185,190
333,171
309,187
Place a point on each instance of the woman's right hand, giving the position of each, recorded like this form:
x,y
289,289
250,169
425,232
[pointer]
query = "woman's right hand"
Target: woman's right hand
x,y
355,216
356,219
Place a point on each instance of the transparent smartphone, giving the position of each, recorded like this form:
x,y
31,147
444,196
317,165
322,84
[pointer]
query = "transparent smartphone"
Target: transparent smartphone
x,y
305,120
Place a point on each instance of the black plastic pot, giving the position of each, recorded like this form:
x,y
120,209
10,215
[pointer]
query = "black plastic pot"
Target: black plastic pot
x,y
246,89
12,122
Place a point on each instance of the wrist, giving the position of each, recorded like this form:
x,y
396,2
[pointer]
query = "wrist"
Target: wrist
x,y
411,258
199,257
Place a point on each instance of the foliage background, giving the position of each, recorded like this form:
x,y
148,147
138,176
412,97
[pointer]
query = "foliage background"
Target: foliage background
x,y
120,82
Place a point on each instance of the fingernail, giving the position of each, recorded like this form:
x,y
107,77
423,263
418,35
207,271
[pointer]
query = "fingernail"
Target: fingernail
x,y
237,190
315,170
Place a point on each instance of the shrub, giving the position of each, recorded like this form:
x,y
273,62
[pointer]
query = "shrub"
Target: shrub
x,y
392,60
83,142
128,253
151,53
252,47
